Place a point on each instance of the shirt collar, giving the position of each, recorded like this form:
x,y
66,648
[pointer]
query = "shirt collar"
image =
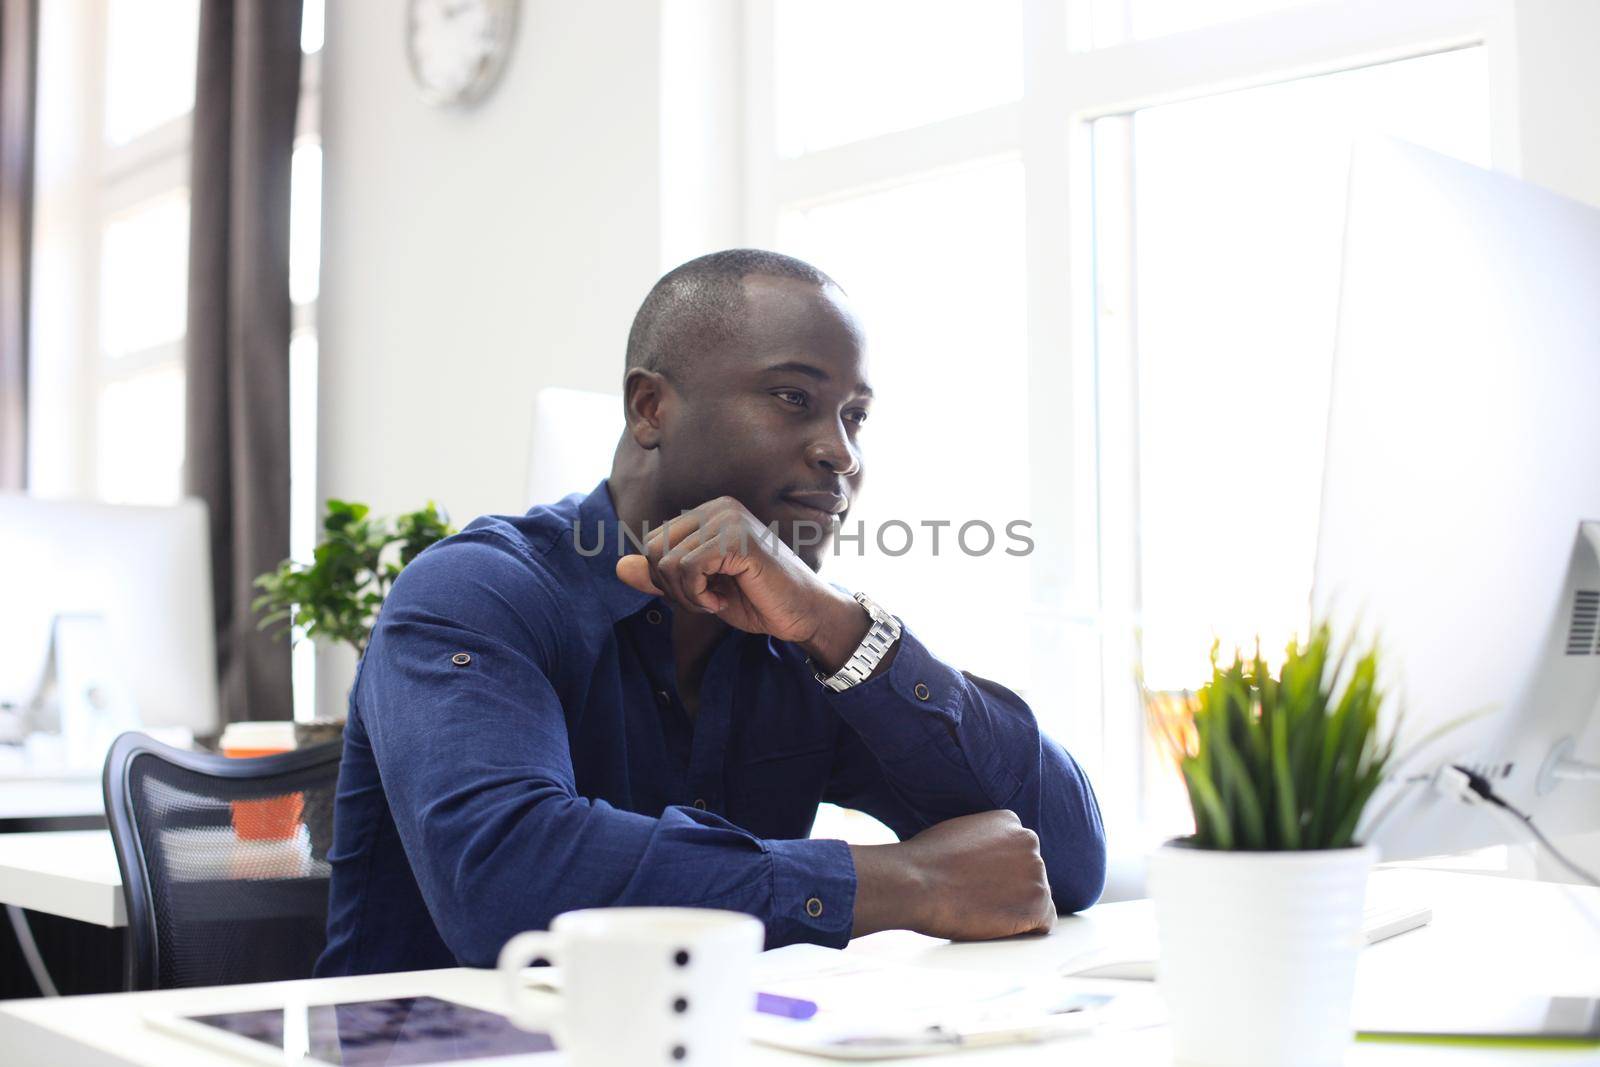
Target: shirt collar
x,y
597,522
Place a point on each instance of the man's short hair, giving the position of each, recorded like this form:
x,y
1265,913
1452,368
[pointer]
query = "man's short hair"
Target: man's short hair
x,y
699,306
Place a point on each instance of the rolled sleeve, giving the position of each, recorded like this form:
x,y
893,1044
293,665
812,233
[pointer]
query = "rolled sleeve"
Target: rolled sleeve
x,y
813,893
921,701
916,700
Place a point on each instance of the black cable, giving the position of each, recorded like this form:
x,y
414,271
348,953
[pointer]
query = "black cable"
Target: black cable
x,y
1480,785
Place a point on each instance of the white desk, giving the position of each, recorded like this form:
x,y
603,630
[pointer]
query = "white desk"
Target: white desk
x,y
74,873
51,796
71,873
1527,937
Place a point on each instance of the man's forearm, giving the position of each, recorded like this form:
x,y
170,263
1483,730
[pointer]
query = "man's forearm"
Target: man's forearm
x,y
888,890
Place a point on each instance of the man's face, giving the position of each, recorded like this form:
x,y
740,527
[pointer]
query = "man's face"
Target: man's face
x,y
773,420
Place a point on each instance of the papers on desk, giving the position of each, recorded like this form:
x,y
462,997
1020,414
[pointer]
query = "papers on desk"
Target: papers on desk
x,y
868,1009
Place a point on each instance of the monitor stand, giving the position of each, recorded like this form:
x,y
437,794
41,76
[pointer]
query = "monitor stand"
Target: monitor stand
x,y
83,693
1569,679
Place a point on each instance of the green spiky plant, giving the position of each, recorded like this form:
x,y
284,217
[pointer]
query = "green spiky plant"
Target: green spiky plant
x,y
337,596
1287,762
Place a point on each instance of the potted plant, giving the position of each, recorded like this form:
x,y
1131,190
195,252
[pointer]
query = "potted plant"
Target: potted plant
x,y
336,597
1259,912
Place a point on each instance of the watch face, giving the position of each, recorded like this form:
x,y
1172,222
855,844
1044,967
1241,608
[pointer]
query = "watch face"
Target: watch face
x,y
457,48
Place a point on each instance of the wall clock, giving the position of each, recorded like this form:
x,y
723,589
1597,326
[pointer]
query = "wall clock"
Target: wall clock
x,y
457,48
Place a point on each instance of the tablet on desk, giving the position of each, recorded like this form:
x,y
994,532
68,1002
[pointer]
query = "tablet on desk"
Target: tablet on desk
x,y
367,1033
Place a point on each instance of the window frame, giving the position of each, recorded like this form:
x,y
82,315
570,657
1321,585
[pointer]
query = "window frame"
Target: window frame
x,y
1092,580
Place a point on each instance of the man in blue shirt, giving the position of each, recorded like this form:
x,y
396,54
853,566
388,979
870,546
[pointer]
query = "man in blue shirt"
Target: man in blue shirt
x,y
547,718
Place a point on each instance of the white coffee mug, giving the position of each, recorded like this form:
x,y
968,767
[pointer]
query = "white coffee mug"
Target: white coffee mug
x,y
642,986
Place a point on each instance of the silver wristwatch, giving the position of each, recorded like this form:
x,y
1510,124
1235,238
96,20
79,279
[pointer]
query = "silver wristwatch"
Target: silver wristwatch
x,y
879,640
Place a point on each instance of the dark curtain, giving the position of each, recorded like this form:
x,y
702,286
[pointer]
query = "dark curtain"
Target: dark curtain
x,y
19,50
247,90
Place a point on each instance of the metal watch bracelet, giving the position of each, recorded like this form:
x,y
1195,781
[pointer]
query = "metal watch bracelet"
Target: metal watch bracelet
x,y
858,668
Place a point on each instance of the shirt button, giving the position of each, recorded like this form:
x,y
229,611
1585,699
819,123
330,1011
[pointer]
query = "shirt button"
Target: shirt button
x,y
461,659
653,617
663,697
700,804
814,908
922,691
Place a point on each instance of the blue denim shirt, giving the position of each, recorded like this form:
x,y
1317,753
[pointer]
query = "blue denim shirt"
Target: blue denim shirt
x,y
516,748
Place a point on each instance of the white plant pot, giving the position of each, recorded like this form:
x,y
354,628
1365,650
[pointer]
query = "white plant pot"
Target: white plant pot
x,y
1258,952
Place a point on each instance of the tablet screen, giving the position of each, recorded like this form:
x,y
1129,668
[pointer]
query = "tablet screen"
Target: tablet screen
x,y
404,1030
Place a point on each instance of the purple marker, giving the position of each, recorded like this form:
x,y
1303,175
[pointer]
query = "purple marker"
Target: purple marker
x,y
788,1007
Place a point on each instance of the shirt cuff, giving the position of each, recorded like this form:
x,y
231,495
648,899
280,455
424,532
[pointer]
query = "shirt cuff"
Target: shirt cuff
x,y
916,701
813,892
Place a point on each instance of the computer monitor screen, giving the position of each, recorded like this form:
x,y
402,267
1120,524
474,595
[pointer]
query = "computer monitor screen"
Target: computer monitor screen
x,y
575,433
1463,457
145,570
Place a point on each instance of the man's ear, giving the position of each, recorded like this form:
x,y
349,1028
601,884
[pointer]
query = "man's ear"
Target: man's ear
x,y
647,398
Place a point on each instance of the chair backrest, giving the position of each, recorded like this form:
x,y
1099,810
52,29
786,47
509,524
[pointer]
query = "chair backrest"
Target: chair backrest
x,y
224,861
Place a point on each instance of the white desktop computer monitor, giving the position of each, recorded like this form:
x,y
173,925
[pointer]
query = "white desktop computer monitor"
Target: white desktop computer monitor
x,y
1463,461
144,571
575,433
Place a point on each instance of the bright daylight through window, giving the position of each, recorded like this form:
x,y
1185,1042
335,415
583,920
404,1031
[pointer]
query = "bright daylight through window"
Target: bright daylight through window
x,y
890,250
892,65
1147,292
1238,212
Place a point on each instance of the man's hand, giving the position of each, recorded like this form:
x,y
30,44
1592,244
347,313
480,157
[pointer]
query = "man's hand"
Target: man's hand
x,y
718,558
969,879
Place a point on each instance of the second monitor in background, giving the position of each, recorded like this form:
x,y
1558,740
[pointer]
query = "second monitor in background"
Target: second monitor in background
x,y
124,593
1463,460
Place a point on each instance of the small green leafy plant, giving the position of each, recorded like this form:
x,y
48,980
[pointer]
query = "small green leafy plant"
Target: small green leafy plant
x,y
1286,762
337,596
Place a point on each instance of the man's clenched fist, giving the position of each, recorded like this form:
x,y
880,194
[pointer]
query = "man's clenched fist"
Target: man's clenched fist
x,y
969,879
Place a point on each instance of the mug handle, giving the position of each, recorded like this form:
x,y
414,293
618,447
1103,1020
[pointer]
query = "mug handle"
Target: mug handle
x,y
516,955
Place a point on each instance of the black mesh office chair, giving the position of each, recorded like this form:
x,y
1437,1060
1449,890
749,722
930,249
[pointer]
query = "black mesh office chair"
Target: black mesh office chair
x,y
224,861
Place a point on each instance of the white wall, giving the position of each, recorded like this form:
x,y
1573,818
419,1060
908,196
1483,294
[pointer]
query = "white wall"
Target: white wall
x,y
472,257
1559,95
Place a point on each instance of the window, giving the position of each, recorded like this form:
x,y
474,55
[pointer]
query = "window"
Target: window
x,y
924,324
111,247
1239,208
1088,238
134,465
150,66
144,262
891,65
1119,21
1233,233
